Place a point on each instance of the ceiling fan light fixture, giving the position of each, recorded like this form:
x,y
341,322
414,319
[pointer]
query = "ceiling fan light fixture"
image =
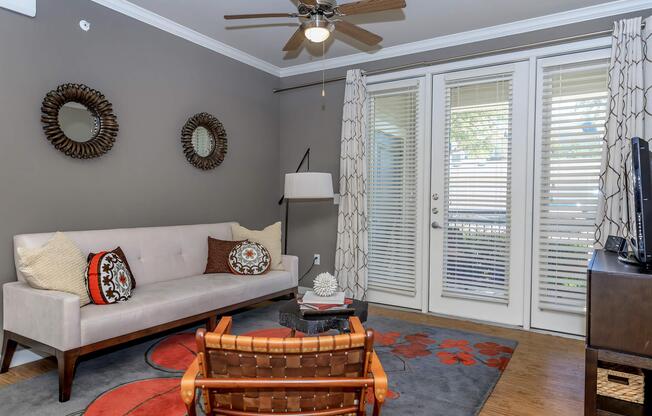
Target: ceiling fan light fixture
x,y
317,30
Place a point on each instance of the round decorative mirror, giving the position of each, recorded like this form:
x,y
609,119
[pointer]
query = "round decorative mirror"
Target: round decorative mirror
x,y
204,141
79,121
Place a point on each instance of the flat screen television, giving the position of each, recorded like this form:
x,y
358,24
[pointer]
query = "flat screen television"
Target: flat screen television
x,y
642,177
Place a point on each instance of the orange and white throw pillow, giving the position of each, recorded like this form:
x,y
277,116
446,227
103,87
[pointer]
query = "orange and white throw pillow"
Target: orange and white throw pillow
x,y
108,277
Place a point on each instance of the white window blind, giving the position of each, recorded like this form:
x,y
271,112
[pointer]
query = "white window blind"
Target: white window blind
x,y
476,252
574,109
392,189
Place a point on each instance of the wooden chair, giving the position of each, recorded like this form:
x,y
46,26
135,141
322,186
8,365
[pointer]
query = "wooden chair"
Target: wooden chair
x,y
315,376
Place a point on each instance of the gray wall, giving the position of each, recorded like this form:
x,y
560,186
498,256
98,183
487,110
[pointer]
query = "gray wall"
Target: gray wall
x,y
155,82
308,120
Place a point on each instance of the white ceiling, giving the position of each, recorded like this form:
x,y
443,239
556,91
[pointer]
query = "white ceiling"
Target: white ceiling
x,y
421,19
429,22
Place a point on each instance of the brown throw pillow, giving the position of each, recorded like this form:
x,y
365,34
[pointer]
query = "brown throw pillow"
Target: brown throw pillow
x,y
218,255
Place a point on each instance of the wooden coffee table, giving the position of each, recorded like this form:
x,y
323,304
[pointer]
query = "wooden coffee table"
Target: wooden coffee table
x,y
290,316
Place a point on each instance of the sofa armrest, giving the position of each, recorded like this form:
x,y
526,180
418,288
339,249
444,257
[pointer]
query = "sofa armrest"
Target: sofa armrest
x,y
47,316
291,264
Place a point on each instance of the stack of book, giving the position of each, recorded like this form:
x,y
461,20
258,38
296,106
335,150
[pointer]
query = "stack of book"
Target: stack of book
x,y
313,304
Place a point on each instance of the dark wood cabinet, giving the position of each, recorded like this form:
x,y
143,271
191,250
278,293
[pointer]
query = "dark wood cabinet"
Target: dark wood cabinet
x,y
619,328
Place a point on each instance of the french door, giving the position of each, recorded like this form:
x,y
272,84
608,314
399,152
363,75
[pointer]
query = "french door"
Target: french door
x,y
572,98
478,188
483,189
397,238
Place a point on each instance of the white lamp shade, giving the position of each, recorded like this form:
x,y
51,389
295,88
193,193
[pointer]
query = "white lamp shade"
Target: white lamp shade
x,y
308,185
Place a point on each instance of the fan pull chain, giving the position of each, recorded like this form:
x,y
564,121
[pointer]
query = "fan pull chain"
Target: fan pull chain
x,y
323,69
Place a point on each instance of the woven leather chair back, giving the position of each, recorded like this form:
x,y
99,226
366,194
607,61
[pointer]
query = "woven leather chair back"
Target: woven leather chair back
x,y
233,357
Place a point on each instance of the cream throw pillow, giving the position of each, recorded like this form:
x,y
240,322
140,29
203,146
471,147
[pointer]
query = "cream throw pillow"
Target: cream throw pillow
x,y
58,265
270,238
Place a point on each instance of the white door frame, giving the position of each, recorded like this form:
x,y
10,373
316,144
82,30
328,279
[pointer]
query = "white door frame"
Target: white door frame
x,y
512,313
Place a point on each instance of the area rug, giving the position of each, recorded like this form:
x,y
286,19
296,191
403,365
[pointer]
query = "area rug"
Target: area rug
x,y
432,371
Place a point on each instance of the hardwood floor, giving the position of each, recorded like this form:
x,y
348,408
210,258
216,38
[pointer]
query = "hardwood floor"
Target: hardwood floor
x,y
27,371
545,376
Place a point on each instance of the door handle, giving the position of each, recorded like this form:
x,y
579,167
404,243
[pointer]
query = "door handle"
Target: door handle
x,y
435,225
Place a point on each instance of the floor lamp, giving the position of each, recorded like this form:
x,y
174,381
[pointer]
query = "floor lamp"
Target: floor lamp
x,y
304,186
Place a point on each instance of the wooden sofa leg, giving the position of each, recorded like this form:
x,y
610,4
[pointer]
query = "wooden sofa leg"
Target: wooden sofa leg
x,y
8,349
67,362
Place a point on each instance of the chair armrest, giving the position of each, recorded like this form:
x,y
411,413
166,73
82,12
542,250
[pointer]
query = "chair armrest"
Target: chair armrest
x,y
380,379
47,316
224,326
188,387
291,264
355,326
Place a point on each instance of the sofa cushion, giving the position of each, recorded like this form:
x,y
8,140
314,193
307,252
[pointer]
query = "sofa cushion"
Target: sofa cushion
x,y
165,302
155,254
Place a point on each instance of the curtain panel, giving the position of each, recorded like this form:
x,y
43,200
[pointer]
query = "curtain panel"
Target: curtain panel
x,y
629,115
351,251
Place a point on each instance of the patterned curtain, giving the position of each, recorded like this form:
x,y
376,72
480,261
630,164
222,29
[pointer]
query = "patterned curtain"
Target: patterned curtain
x,y
351,253
630,115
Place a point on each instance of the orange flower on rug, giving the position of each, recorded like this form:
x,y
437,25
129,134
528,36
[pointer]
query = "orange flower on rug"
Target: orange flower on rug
x,y
448,351
156,396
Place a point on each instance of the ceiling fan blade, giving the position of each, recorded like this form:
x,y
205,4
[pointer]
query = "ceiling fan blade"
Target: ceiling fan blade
x,y
258,15
368,6
309,2
295,41
358,33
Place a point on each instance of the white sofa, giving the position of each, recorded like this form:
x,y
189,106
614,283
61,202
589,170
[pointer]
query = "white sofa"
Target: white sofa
x,y
168,264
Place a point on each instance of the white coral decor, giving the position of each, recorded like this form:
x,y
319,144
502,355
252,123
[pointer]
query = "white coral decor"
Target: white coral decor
x,y
325,284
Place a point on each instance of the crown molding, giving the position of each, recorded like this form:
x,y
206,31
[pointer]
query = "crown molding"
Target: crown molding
x,y
584,14
508,29
129,9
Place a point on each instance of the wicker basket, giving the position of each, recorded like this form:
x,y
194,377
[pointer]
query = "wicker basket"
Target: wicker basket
x,y
621,382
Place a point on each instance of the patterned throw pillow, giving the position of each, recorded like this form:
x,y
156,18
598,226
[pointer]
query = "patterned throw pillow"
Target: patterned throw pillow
x,y
249,258
108,277
118,252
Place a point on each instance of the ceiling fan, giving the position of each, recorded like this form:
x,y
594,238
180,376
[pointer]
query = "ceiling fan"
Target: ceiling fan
x,y
321,17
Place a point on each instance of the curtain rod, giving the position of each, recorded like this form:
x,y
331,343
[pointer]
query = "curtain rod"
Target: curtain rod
x,y
454,59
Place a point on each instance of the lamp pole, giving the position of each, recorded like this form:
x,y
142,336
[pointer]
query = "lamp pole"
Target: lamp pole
x,y
305,158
